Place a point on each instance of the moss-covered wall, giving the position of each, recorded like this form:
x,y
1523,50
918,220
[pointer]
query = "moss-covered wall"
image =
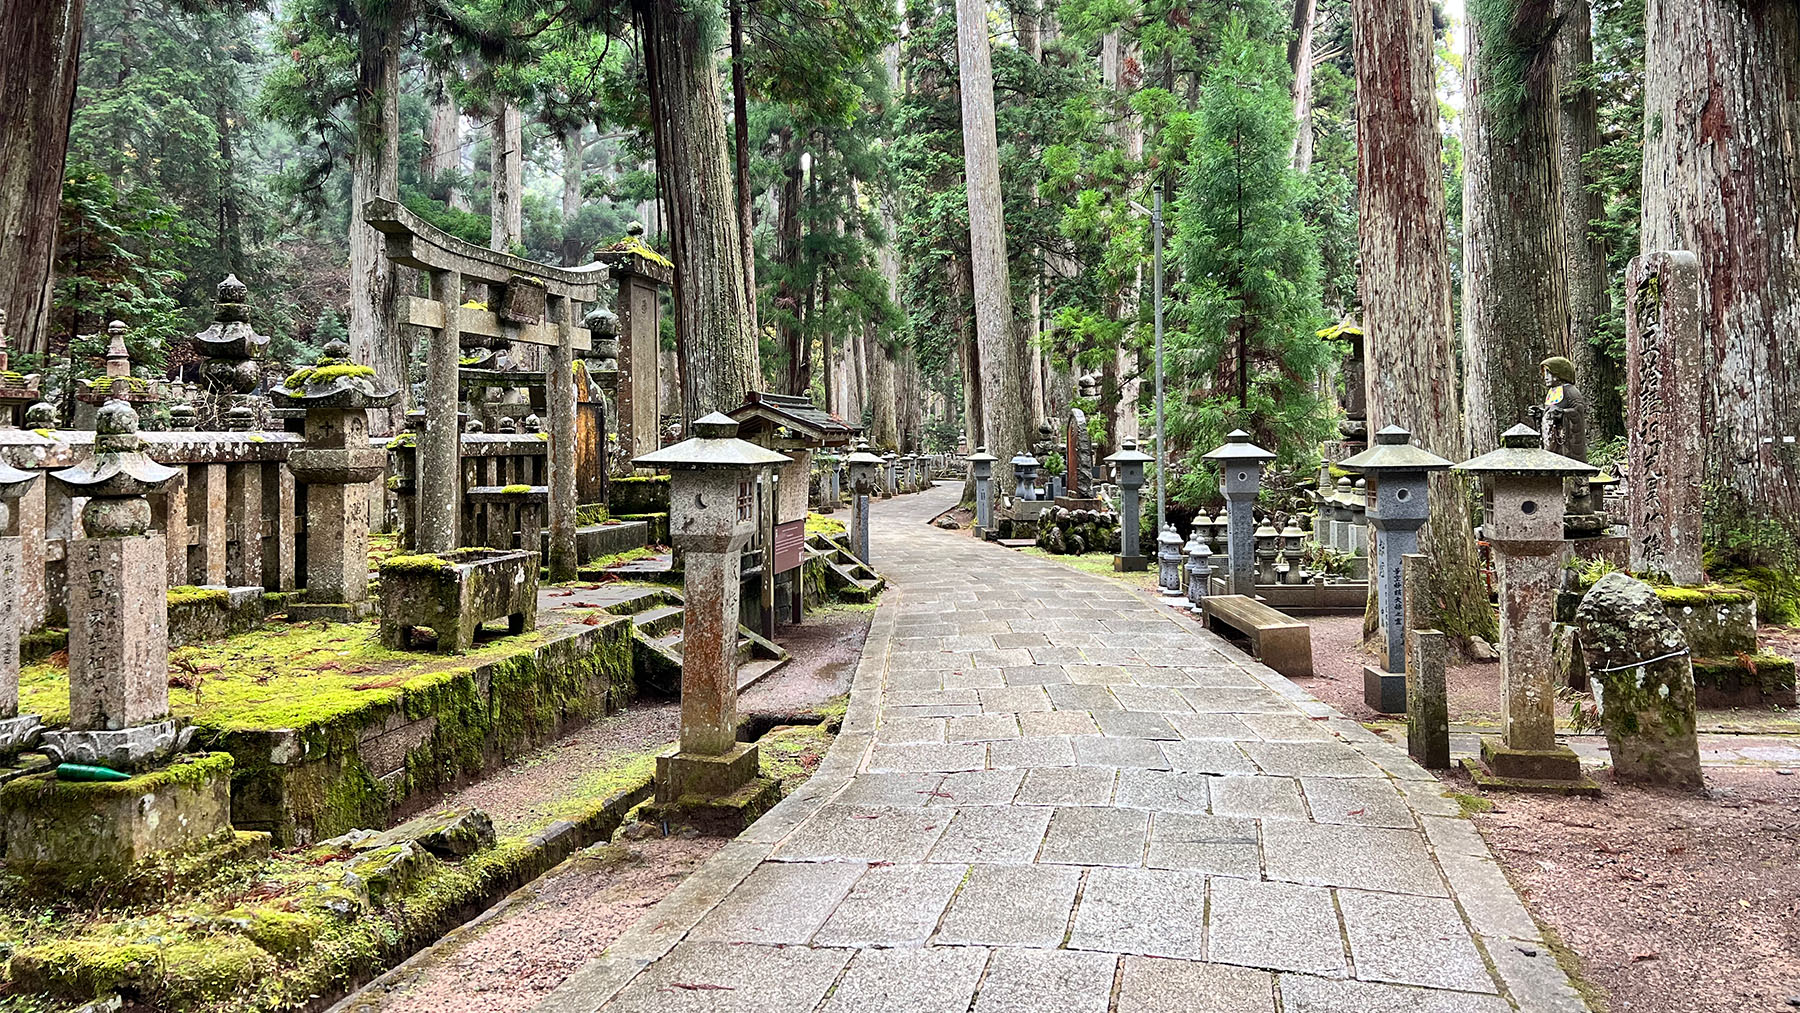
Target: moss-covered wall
x,y
354,769
638,495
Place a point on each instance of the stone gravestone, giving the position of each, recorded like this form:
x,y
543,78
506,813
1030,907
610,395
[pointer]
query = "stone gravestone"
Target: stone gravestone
x,y
1079,447
1644,681
17,731
1665,383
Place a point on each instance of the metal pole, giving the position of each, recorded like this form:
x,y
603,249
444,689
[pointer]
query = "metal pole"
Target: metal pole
x,y
1156,224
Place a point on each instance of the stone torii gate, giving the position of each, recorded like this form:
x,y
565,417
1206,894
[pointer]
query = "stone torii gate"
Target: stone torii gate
x,y
532,303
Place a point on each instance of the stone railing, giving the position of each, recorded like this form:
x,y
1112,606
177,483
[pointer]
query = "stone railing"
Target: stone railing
x,y
234,516
505,486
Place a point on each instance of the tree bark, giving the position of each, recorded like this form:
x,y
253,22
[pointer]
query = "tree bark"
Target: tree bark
x,y
1003,400
573,149
1721,79
884,422
375,338
740,125
787,248
506,166
40,44
1584,255
1300,58
443,138
1515,299
717,348
1405,285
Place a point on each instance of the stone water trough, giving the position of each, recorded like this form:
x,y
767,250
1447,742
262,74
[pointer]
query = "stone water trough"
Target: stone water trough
x,y
454,593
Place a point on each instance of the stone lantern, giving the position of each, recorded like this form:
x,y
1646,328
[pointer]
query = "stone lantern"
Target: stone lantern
x,y
1024,477
1168,562
1339,504
117,578
1129,464
1359,518
1268,549
890,485
1199,571
17,731
712,516
1241,466
336,465
1292,549
981,469
865,479
1399,477
1524,524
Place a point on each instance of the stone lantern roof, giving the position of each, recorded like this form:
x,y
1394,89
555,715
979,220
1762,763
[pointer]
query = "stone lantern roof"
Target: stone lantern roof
x,y
1128,453
119,467
863,455
1239,448
714,445
1024,460
792,420
1522,452
334,382
230,336
981,456
14,482
1393,452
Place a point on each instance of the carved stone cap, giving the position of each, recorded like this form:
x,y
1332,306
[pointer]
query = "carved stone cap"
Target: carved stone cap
x,y
1522,452
120,467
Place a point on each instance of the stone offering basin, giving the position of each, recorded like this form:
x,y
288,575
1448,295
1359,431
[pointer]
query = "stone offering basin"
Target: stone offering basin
x,y
454,593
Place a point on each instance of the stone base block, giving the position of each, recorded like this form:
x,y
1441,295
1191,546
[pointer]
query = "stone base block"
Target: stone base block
x,y
724,816
1543,771
329,612
75,834
1131,564
127,749
19,734
680,774
1384,691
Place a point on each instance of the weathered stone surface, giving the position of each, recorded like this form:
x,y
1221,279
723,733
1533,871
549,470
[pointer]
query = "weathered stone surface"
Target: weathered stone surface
x,y
455,593
1665,375
1004,905
937,980
1411,941
1031,981
1274,925
118,634
891,905
781,902
1637,657
1113,902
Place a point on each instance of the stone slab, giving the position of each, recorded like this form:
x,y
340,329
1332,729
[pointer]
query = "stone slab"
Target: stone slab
x,y
1008,905
1221,845
1035,981
1278,926
1152,985
935,980
1094,835
1158,912
727,978
1411,941
891,905
993,835
1363,858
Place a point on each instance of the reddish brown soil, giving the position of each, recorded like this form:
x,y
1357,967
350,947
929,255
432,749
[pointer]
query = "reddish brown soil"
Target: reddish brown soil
x,y
1676,902
826,647
548,931
1339,658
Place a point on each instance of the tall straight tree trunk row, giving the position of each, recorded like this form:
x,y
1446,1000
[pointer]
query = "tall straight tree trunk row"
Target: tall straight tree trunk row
x,y
1584,255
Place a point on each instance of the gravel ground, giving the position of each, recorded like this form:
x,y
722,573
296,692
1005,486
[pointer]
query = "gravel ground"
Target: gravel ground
x,y
1339,657
549,930
1676,902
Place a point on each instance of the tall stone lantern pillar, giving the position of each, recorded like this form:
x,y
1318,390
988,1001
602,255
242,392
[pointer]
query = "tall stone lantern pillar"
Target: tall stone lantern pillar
x,y
1129,463
1241,466
865,481
1398,476
890,485
1524,524
17,731
981,469
712,515
118,607
336,465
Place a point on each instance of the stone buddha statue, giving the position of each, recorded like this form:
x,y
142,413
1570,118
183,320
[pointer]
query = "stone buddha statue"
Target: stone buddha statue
x,y
1564,417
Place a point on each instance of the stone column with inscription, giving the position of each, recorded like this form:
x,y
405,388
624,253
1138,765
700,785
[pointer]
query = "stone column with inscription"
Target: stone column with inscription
x,y
17,731
118,607
1664,386
335,466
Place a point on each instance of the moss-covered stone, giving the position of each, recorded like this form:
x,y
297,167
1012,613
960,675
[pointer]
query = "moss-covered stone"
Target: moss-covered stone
x,y
638,494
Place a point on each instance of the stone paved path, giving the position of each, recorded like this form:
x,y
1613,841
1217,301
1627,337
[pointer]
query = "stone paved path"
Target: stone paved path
x,y
1051,794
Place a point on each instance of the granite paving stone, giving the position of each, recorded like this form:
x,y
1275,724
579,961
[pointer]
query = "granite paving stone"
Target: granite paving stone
x,y
1163,790
1156,985
1229,727
1011,905
939,979
891,905
1411,941
1221,845
1040,981
1278,926
1208,756
1096,835
1042,751
1362,858
781,902
1305,994
1310,759
1136,724
1158,699
1357,801
1112,751
1058,722
1086,697
1066,786
996,835
864,833
1158,912
921,757
1013,699
982,728
978,787
729,978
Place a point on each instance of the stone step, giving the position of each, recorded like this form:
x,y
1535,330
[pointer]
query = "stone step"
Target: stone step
x,y
658,621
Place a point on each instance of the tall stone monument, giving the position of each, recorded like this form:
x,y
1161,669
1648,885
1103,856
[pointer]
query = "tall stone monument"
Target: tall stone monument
x,y
1524,524
231,361
336,466
1665,385
712,504
1129,463
981,469
17,731
865,482
118,607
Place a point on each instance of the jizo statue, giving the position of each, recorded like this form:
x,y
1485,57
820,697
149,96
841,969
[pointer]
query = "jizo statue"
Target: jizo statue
x,y
1565,414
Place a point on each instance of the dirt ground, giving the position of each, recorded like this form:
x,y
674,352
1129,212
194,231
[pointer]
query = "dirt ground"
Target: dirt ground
x,y
548,930
826,647
1339,658
1675,902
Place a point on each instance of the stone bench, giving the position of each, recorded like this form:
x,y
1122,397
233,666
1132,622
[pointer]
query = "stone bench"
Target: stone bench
x,y
1275,639
454,593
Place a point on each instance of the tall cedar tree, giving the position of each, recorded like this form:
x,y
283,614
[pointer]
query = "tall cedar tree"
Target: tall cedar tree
x,y
1249,355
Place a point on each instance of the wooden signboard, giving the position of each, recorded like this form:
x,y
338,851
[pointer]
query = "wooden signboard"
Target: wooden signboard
x,y
790,540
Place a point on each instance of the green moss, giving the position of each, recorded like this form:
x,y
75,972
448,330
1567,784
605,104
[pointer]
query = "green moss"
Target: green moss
x,y
186,771
190,595
590,514
1470,804
40,644
48,434
326,372
403,440
1700,596
819,524
629,555
515,490
1777,591
423,563
791,754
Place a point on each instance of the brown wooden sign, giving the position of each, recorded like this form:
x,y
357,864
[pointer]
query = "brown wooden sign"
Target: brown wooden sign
x,y
790,540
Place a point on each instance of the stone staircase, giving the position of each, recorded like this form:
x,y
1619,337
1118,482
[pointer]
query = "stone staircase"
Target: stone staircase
x,y
656,617
846,576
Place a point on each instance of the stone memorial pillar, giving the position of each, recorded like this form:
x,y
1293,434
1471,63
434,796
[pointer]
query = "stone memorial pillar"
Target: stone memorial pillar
x,y
1398,474
1665,380
1525,527
865,481
1359,518
1129,462
336,465
1427,668
118,607
231,361
17,731
1638,657
1168,562
890,485
828,486
1340,515
639,311
712,498
1241,466
981,469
